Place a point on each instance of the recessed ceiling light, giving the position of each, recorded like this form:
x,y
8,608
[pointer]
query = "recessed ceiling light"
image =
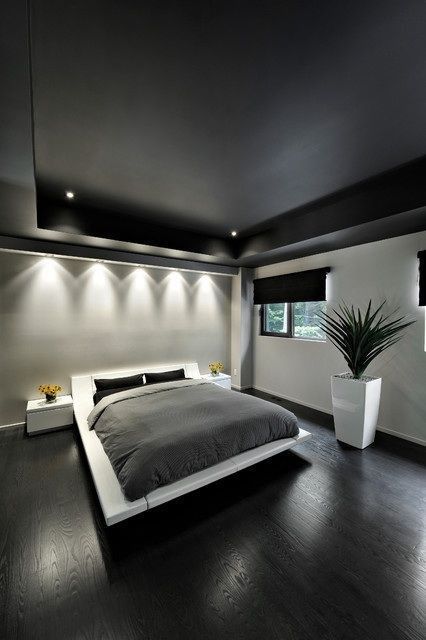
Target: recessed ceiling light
x,y
69,195
233,233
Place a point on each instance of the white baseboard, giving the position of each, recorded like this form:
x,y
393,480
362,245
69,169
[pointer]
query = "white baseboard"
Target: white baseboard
x,y
403,436
295,400
13,424
238,388
391,432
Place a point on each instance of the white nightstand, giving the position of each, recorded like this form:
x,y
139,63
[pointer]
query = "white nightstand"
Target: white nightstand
x,y
47,416
222,379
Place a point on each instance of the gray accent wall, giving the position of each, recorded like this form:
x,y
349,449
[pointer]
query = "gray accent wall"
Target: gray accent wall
x,y
300,370
62,317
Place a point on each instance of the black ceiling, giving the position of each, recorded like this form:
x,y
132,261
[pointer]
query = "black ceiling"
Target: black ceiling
x,y
202,117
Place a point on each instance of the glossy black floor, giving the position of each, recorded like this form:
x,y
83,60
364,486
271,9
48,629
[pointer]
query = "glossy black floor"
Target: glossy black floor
x,y
322,542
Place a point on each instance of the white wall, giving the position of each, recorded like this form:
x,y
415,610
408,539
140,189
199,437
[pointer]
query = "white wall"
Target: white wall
x,y
63,317
300,370
241,329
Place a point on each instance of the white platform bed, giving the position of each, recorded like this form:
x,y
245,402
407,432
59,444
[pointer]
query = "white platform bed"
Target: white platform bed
x,y
114,505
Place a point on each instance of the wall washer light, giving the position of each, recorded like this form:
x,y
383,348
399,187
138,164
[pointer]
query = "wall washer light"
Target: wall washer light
x,y
69,195
66,256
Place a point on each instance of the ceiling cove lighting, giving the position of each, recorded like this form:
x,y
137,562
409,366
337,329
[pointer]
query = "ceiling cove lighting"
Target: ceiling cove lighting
x,y
69,195
136,265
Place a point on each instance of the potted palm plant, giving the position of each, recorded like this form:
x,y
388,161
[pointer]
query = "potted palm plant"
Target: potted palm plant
x,y
360,337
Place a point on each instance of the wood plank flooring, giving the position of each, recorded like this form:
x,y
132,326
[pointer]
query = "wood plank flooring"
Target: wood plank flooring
x,y
323,542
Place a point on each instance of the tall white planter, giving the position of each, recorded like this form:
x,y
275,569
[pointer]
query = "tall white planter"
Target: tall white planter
x,y
355,409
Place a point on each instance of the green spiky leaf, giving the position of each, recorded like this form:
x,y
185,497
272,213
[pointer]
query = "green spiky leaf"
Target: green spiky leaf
x,y
362,336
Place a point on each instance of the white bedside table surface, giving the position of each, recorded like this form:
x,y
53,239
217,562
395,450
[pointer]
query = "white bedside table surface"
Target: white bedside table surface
x,y
42,405
220,376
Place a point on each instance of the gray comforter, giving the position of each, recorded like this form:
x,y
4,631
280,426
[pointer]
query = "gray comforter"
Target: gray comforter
x,y
161,433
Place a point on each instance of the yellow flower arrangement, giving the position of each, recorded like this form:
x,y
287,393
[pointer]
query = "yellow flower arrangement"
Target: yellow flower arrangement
x,y
215,367
50,391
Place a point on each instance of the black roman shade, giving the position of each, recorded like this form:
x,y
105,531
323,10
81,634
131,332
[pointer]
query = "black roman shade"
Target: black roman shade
x,y
422,278
303,286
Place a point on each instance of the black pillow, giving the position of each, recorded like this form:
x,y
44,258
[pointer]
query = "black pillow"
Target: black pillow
x,y
108,392
165,376
120,383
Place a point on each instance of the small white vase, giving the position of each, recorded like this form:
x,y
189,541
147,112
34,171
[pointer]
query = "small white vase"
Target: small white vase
x,y
355,409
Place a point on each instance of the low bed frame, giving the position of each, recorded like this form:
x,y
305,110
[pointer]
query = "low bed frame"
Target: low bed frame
x,y
114,505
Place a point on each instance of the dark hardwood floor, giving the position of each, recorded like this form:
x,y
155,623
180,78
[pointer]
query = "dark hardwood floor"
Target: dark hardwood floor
x,y
324,542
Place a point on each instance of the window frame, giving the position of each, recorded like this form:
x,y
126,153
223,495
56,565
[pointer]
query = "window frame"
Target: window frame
x,y
277,334
281,334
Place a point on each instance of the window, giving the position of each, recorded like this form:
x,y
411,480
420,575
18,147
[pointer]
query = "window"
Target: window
x,y
276,319
292,320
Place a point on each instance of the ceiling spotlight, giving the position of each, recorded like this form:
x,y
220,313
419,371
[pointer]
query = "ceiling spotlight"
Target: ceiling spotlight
x,y
69,195
233,233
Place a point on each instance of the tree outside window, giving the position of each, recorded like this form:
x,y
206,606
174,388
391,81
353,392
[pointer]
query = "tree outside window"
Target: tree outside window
x,y
293,320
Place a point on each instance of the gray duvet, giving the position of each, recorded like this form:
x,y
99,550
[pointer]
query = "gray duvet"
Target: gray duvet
x,y
161,433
